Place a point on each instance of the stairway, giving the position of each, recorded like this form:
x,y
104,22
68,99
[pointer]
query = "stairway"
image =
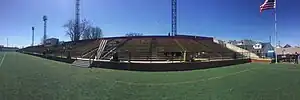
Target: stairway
x,y
101,48
112,47
81,63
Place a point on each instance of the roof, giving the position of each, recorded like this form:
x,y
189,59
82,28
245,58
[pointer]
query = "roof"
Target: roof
x,y
52,39
281,51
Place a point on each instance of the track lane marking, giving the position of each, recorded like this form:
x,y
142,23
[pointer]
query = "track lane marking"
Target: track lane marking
x,y
185,82
2,59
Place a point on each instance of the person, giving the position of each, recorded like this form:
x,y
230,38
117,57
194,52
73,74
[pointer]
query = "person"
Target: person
x,y
115,56
69,55
296,58
191,59
234,55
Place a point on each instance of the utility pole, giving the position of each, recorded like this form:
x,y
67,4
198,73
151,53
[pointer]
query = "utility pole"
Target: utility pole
x,y
32,44
45,28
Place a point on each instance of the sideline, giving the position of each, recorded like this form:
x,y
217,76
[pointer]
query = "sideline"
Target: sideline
x,y
185,82
2,59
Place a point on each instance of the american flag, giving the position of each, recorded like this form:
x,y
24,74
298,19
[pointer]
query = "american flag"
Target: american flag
x,y
268,4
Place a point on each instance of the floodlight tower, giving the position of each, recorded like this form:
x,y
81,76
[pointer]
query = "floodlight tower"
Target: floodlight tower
x,y
174,18
45,28
32,28
6,42
77,19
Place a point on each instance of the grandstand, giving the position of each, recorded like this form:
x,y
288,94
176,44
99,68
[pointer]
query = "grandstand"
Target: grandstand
x,y
138,49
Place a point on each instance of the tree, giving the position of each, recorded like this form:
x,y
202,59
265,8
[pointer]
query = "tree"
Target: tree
x,y
71,32
92,33
87,33
134,34
96,33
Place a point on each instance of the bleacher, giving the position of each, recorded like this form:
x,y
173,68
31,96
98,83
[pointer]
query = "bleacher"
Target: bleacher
x,y
81,48
111,46
216,50
140,48
35,49
165,47
191,46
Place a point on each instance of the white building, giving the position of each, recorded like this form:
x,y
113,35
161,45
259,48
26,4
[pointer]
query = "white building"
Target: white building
x,y
51,42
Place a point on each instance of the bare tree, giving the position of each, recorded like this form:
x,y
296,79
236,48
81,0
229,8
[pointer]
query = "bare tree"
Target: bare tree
x,y
92,33
87,33
70,26
96,33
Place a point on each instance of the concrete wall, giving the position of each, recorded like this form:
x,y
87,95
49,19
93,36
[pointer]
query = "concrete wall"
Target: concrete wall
x,y
167,66
53,58
153,66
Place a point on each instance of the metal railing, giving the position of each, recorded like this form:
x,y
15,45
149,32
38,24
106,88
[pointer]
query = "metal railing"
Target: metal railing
x,y
175,56
154,56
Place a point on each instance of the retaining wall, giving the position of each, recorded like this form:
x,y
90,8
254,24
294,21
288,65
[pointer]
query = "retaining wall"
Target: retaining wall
x,y
52,57
167,66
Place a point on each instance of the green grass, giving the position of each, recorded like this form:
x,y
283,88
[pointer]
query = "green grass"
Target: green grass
x,y
24,77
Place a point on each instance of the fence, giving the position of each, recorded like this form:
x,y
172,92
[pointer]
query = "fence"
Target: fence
x,y
288,58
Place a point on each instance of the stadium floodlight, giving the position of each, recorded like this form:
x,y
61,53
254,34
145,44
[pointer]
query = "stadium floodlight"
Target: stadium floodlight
x,y
32,28
45,28
174,18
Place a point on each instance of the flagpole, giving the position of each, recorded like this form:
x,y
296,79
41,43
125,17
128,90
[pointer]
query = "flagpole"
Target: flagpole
x,y
276,58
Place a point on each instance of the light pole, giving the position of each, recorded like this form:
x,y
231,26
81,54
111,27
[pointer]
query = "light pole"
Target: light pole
x,y
45,28
32,28
6,42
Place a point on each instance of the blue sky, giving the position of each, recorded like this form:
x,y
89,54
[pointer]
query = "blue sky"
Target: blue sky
x,y
224,19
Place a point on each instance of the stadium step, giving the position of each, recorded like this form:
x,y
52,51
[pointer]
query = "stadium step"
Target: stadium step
x,y
81,63
101,48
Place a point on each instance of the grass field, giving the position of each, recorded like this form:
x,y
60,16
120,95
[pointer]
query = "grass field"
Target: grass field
x,y
24,77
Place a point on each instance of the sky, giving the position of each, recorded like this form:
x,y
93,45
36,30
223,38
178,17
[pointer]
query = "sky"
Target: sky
x,y
223,19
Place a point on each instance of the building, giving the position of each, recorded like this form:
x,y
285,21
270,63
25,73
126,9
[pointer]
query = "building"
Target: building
x,y
286,51
263,50
287,54
268,50
51,42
